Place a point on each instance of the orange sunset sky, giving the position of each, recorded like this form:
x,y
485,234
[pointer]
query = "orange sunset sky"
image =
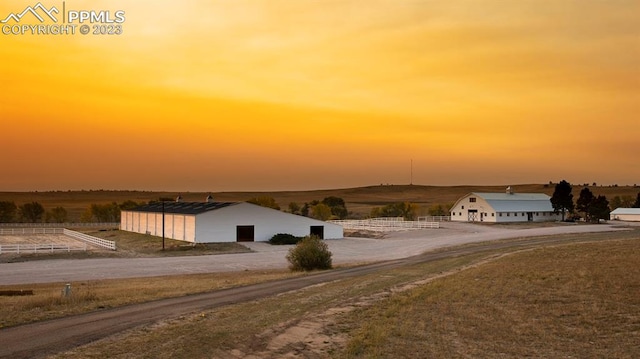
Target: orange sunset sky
x,y
300,94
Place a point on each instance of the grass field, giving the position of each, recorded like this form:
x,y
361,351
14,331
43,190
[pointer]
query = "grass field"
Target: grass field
x,y
578,300
359,200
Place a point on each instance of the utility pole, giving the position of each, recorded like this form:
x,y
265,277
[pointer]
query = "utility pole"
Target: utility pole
x,y
162,224
411,179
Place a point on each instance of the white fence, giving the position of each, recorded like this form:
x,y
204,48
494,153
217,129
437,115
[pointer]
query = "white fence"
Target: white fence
x,y
67,232
39,248
435,218
31,231
384,224
90,239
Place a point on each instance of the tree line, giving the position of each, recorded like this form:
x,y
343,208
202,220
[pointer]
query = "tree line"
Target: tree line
x,y
588,206
31,212
333,207
34,212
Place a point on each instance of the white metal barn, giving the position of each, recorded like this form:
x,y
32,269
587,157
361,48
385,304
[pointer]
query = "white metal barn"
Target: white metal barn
x,y
504,208
214,222
625,214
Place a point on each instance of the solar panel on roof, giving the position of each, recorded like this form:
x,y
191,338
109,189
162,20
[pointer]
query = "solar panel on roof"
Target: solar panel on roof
x,y
182,207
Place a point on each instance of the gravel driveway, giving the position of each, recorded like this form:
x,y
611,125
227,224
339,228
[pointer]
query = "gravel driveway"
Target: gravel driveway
x,y
345,251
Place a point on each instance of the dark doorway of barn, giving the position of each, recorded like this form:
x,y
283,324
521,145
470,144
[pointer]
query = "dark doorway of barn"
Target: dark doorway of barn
x,y
244,233
317,231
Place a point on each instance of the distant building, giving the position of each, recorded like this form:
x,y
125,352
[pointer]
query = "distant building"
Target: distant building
x,y
211,222
625,214
504,207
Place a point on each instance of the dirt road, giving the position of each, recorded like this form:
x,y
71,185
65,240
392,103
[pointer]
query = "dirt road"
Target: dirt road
x,y
44,338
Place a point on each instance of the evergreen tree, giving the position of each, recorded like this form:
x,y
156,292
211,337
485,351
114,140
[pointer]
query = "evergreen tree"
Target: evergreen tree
x,y
584,201
599,209
562,199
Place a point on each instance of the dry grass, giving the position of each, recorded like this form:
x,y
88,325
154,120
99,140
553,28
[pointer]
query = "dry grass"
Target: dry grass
x,y
139,245
573,301
257,329
48,302
577,300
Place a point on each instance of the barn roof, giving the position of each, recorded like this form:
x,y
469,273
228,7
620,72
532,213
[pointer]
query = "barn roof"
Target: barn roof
x,y
516,202
182,207
626,211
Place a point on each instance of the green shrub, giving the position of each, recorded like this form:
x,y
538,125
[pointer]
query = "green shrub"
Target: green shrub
x,y
309,254
284,238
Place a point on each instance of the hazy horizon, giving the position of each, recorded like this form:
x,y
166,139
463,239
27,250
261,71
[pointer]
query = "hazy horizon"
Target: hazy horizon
x,y
302,189
280,95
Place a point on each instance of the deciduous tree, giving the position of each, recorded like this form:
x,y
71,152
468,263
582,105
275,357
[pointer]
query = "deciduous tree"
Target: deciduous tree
x,y
337,205
8,211
294,208
32,212
406,210
264,201
57,215
624,202
321,211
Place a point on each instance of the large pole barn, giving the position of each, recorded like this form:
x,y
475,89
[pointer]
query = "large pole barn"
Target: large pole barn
x,y
217,222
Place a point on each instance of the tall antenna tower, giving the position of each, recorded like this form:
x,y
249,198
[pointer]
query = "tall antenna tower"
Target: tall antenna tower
x,y
411,178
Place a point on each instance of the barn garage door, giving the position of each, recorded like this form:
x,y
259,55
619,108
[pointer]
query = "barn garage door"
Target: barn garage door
x,y
317,231
245,233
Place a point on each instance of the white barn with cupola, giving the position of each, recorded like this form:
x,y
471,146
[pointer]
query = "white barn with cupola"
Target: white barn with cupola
x,y
504,207
217,222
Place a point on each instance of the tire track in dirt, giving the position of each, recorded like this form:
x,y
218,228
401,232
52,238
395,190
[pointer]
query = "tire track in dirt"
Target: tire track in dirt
x,y
48,337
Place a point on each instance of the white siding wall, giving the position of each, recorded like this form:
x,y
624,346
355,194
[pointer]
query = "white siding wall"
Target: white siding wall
x,y
190,228
135,224
460,214
220,225
175,225
509,217
178,227
626,217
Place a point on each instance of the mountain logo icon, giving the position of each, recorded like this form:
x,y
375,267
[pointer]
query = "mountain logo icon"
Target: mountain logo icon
x,y
34,11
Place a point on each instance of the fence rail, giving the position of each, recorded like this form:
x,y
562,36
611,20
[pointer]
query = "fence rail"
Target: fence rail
x,y
39,248
91,239
31,231
384,224
435,218
67,232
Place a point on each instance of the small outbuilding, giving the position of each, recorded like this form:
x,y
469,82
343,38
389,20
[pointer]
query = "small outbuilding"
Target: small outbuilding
x,y
625,214
504,207
217,222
